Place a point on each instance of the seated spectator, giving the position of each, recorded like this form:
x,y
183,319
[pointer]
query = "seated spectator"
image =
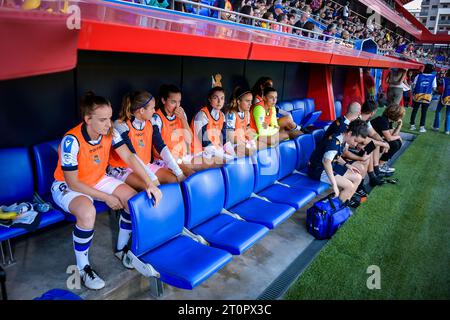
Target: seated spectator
x,y
303,20
247,10
268,16
327,165
330,31
383,125
308,26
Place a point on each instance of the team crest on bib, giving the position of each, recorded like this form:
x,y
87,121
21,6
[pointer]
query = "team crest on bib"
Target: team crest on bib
x,y
141,143
96,159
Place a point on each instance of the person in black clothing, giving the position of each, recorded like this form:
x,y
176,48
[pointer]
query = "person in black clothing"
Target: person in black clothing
x,y
383,125
327,165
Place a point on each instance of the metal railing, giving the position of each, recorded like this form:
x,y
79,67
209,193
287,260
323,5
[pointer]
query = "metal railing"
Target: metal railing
x,y
253,21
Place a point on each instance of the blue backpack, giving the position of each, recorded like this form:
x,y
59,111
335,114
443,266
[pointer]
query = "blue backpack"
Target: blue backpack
x,y
325,217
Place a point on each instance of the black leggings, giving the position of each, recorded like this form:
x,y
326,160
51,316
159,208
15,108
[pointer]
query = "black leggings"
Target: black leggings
x,y
394,147
423,116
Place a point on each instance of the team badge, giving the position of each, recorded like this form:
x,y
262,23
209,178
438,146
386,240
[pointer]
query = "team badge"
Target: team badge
x,y
96,159
141,143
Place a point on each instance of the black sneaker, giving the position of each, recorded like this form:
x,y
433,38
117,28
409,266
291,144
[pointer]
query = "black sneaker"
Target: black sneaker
x,y
375,181
353,202
385,174
361,192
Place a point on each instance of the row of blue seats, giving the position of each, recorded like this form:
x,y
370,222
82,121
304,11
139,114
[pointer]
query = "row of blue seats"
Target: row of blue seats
x,y
230,207
304,112
265,191
25,176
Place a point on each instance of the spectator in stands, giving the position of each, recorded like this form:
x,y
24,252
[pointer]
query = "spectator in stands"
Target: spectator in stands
x,y
303,20
330,31
327,165
247,10
346,11
134,125
308,26
268,16
444,101
239,132
383,125
80,177
395,90
423,86
209,130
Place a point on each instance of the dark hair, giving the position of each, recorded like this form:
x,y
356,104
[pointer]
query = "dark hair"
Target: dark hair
x,y
268,90
447,74
256,90
211,93
369,106
358,128
132,102
238,93
164,92
429,68
90,102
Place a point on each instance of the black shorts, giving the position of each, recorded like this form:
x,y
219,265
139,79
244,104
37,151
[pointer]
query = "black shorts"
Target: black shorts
x,y
339,169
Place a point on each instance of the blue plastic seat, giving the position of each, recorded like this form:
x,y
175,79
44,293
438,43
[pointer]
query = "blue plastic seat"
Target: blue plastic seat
x,y
266,173
18,186
157,240
286,106
46,159
239,183
318,136
299,111
289,152
311,115
204,196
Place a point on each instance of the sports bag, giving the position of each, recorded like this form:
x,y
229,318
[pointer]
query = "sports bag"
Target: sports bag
x,y
325,217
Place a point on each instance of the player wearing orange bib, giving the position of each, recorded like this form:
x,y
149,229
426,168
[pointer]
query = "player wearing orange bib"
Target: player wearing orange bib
x,y
135,127
209,130
238,117
80,177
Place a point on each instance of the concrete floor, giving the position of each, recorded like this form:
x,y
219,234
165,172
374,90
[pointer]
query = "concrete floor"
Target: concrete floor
x,y
43,258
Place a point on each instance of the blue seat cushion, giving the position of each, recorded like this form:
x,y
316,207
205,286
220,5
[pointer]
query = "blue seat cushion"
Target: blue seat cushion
x,y
230,234
310,118
298,115
185,263
47,218
263,212
298,180
295,197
